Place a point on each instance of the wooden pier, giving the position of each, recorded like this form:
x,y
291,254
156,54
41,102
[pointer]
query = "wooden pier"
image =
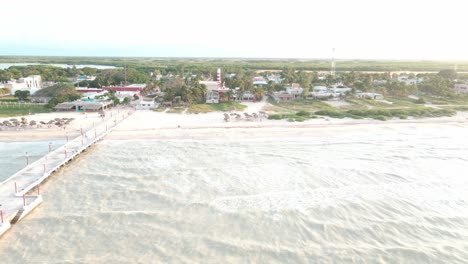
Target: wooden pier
x,y
15,204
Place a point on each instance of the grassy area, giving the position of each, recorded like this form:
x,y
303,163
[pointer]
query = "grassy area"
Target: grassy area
x,y
228,106
200,108
402,101
297,105
7,110
8,99
158,109
175,110
296,117
360,103
459,100
458,108
206,108
384,114
364,108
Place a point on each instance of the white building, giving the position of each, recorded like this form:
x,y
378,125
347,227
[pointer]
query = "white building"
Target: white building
x,y
259,81
320,89
375,96
32,83
144,105
409,81
247,96
275,78
461,87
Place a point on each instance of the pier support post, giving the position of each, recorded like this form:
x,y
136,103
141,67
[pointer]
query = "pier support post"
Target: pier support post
x,y
27,159
50,147
16,188
44,168
65,151
38,189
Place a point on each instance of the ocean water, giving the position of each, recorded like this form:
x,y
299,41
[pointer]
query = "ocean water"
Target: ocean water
x,y
13,155
394,196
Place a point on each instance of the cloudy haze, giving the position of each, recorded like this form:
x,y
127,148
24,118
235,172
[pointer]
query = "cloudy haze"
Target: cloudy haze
x,y
294,29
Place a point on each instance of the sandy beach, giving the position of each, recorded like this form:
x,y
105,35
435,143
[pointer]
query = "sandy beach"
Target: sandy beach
x,y
83,121
146,124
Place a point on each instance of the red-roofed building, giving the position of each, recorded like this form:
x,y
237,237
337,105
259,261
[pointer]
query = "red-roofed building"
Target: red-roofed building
x,y
88,90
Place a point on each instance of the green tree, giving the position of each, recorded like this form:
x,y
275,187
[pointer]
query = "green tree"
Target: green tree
x,y
22,95
448,74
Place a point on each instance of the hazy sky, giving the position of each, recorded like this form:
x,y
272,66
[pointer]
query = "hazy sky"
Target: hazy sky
x,y
370,29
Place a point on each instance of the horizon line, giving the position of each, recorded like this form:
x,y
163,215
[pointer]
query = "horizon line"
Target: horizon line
x,y
231,58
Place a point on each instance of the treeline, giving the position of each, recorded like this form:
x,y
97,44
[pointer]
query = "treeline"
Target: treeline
x,y
118,77
47,72
198,64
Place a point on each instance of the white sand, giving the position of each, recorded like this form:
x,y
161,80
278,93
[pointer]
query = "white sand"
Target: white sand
x,y
81,120
157,125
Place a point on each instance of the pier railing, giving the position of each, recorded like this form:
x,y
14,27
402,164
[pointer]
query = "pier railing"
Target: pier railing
x,y
33,174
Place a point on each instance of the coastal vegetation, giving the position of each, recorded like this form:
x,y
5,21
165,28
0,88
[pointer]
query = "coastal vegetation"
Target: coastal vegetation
x,y
21,109
378,114
231,64
59,93
224,106
293,117
175,83
383,115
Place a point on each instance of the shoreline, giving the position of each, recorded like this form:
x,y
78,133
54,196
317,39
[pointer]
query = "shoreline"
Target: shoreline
x,y
156,125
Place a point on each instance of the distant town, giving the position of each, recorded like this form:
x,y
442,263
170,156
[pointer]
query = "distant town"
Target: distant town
x,y
328,93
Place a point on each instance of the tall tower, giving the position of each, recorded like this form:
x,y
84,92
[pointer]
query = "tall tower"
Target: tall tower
x,y
333,66
218,76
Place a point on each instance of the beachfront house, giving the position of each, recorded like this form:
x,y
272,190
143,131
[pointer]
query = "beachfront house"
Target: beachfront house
x,y
215,91
275,78
282,96
340,90
409,81
461,87
295,90
212,97
321,93
144,105
257,81
291,92
246,96
373,96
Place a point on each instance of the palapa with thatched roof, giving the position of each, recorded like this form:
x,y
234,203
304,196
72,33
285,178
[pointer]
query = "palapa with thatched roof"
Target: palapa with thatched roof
x,y
83,106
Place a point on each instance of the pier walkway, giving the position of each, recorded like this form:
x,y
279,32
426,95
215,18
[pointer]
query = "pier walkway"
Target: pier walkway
x,y
14,201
